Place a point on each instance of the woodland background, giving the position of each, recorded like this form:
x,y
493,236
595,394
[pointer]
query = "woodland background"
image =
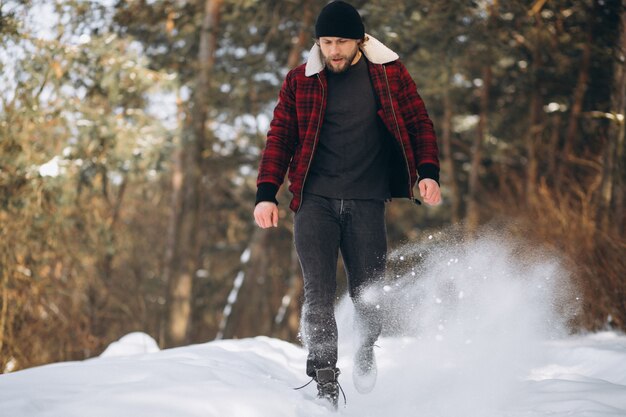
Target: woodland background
x,y
130,133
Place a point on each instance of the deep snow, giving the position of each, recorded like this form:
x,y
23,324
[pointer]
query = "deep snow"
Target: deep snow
x,y
472,330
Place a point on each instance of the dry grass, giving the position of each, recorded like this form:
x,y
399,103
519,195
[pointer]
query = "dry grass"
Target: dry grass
x,y
566,222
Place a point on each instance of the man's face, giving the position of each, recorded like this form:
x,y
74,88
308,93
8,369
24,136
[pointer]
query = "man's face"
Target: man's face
x,y
338,53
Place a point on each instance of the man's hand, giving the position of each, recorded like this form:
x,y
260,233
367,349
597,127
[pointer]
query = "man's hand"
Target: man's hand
x,y
266,214
430,192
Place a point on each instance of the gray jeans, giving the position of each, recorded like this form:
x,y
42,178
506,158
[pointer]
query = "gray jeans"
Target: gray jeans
x,y
323,227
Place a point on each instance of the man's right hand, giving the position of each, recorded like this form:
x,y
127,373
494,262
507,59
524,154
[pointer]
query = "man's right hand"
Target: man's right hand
x,y
266,214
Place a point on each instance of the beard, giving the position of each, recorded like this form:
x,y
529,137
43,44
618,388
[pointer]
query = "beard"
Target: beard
x,y
340,63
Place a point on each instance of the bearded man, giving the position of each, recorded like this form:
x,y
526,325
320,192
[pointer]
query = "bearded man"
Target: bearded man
x,y
352,132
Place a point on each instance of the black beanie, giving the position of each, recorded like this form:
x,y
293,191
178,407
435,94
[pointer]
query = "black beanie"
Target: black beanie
x,y
341,20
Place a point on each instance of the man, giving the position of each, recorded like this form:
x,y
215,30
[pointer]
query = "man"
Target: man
x,y
353,132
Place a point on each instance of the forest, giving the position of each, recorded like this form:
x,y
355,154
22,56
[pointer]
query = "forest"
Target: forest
x,y
131,131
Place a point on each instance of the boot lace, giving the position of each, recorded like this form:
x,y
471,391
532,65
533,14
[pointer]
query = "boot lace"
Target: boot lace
x,y
327,386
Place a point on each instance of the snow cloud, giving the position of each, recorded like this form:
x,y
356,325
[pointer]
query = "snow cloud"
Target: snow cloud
x,y
464,322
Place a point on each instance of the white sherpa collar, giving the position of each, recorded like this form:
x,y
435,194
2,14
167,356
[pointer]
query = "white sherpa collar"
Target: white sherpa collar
x,y
372,48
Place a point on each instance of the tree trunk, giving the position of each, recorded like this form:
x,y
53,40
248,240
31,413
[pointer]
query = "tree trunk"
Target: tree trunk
x,y
4,306
532,139
576,111
611,205
251,310
295,55
533,135
186,255
448,161
473,212
171,245
553,145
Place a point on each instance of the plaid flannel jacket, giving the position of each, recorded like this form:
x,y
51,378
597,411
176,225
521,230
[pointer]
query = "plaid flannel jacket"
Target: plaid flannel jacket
x,y
299,114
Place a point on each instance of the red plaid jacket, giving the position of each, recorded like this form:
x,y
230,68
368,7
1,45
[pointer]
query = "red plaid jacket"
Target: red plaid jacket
x,y
299,114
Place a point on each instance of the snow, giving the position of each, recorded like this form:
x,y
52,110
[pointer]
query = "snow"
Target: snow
x,y
50,168
578,376
480,333
131,344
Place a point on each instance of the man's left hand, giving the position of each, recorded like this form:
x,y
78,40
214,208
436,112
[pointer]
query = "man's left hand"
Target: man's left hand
x,y
430,192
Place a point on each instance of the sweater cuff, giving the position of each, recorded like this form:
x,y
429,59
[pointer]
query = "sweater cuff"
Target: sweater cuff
x,y
428,171
266,191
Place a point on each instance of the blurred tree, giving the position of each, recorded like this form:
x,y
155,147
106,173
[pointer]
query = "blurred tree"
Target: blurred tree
x,y
72,153
130,136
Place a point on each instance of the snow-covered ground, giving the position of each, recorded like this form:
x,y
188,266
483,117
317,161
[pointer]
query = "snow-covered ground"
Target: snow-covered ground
x,y
479,334
580,376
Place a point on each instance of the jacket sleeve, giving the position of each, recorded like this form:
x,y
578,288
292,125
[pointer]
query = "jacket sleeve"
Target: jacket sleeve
x,y
280,145
419,126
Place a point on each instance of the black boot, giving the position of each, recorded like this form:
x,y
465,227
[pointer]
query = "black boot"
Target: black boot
x,y
327,385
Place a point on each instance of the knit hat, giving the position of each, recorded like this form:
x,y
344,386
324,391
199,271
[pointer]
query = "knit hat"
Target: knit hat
x,y
341,20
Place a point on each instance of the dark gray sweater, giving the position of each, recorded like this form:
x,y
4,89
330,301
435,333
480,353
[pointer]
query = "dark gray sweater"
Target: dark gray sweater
x,y
351,158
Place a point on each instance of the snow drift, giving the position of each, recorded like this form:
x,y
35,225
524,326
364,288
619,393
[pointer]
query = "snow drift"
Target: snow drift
x,y
471,329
